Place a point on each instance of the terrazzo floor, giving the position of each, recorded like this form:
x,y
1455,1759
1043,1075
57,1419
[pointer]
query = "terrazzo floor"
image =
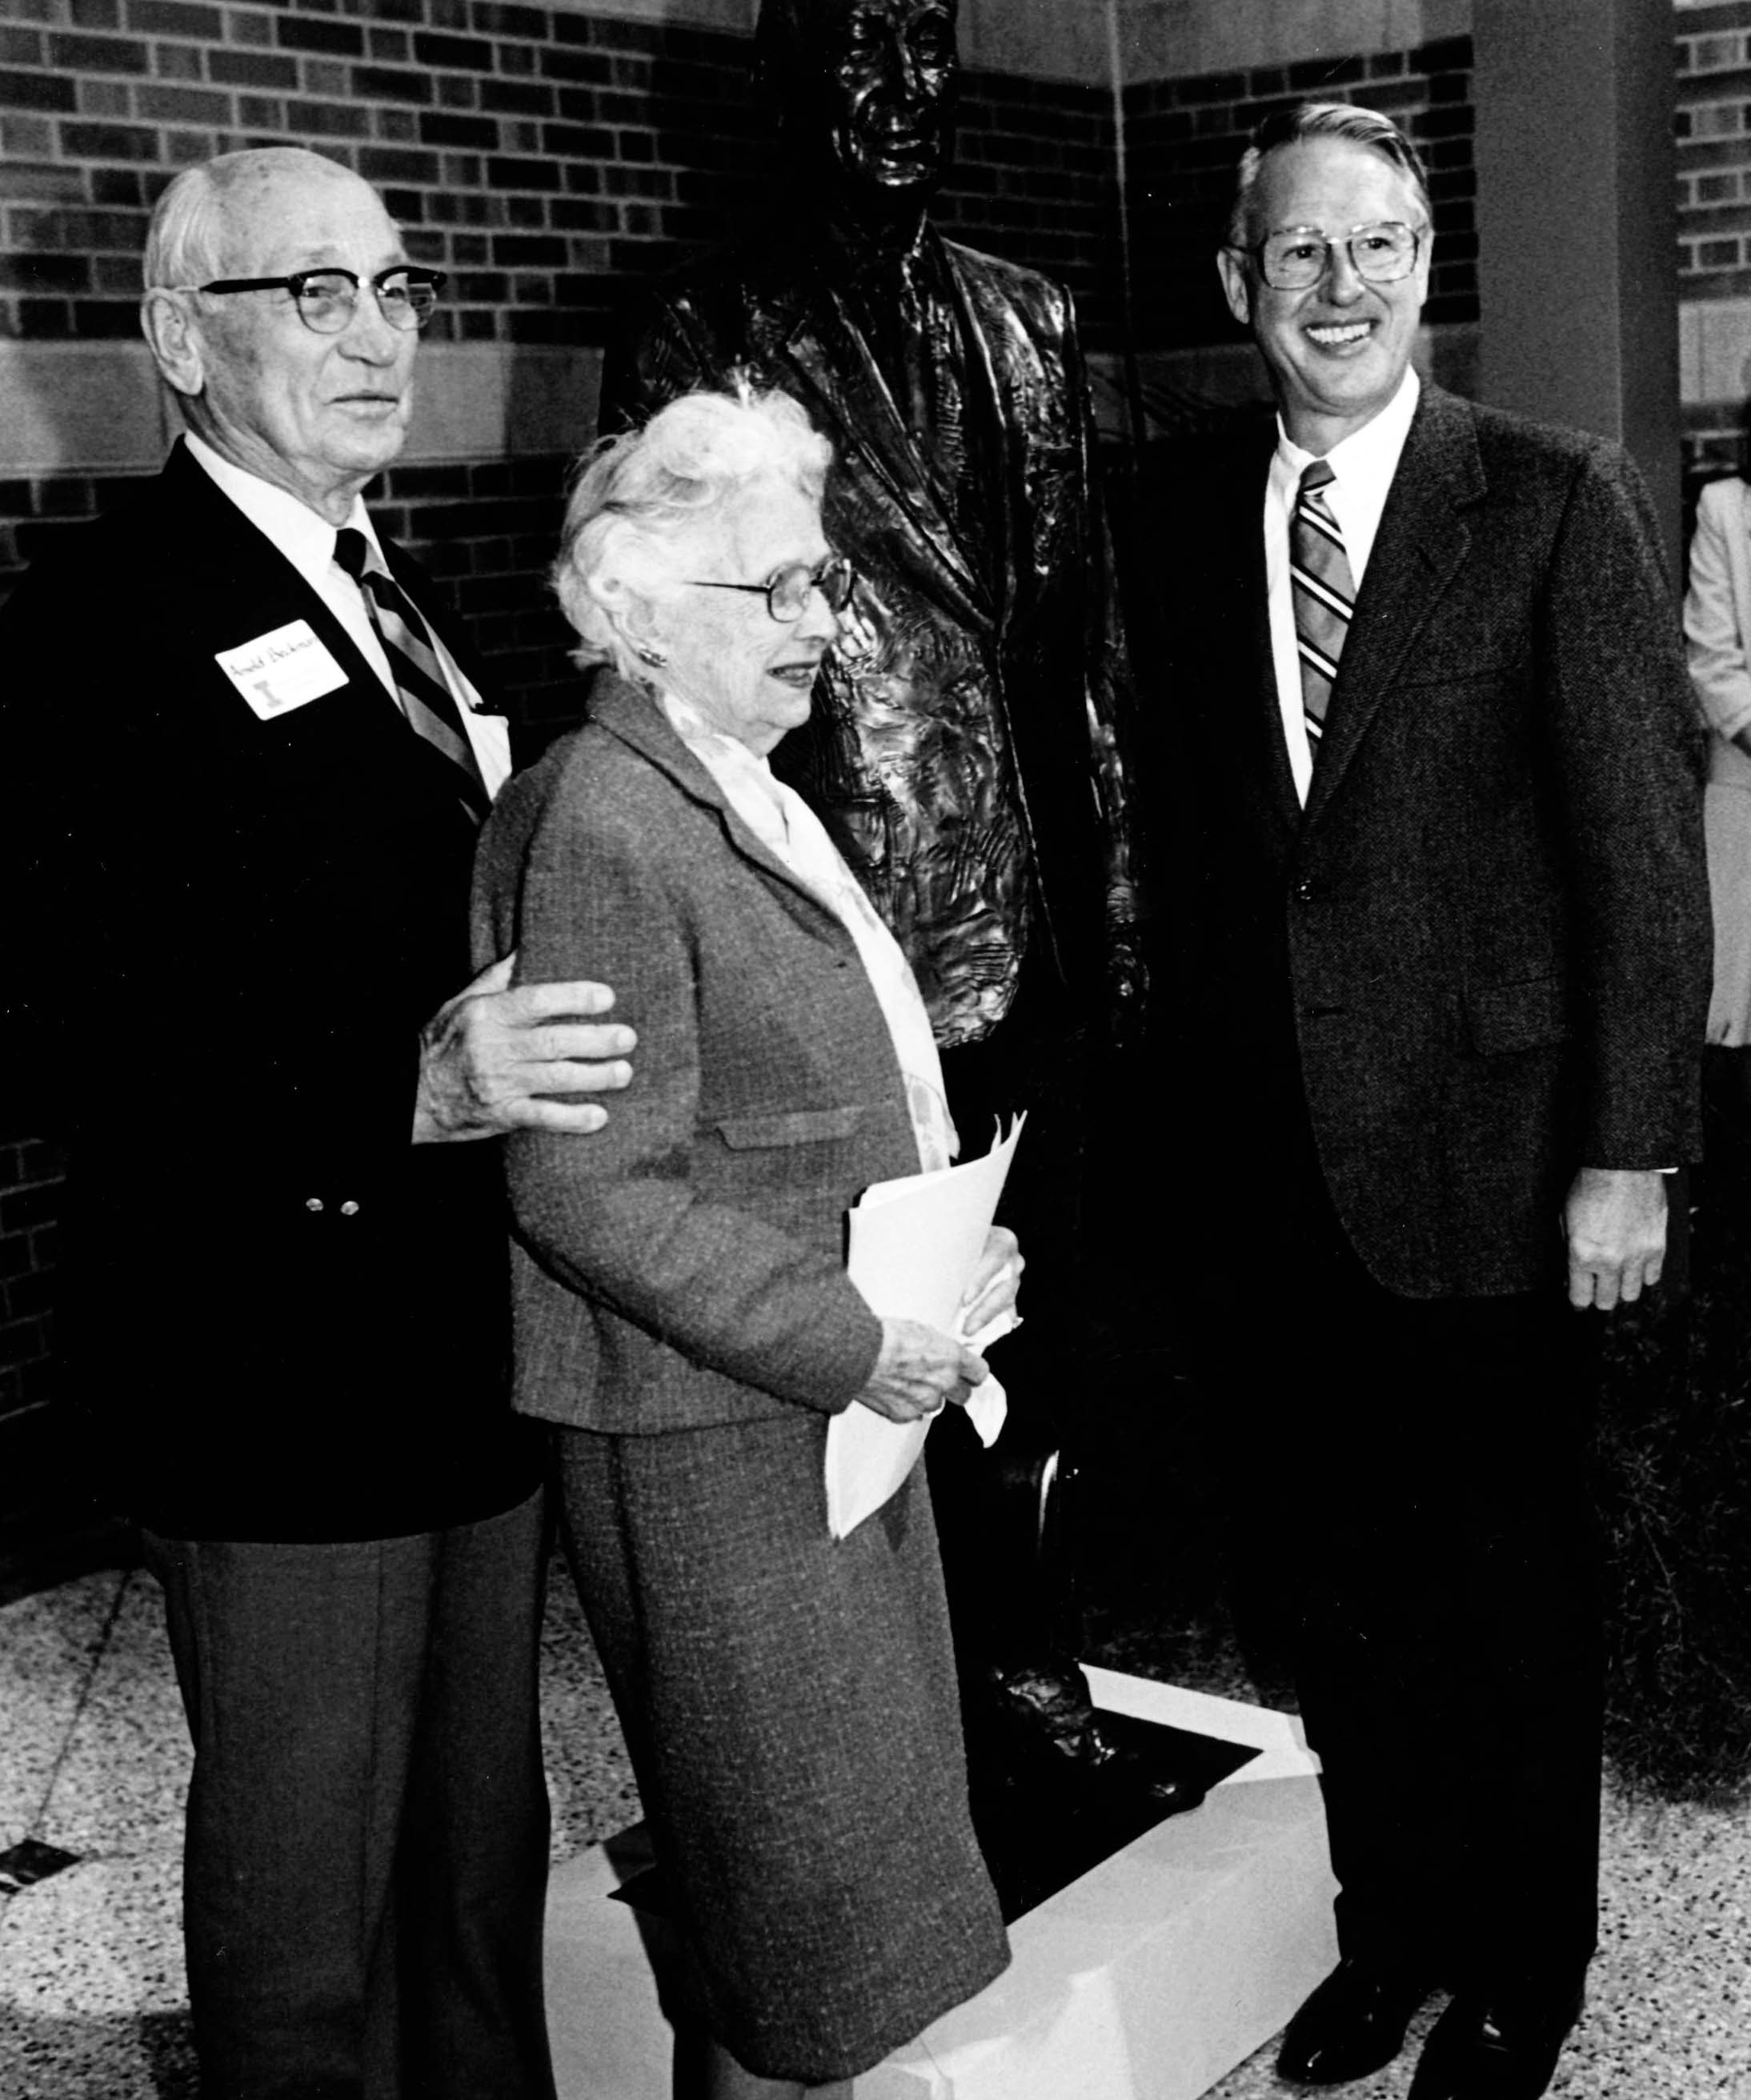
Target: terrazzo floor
x,y
93,1760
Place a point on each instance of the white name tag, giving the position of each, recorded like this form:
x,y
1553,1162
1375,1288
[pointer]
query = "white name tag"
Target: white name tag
x,y
283,670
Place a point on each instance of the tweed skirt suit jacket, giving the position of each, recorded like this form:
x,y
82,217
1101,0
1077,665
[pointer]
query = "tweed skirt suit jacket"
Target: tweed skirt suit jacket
x,y
683,1313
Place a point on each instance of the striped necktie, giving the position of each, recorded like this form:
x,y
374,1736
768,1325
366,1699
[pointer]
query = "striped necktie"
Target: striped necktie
x,y
424,696
1323,591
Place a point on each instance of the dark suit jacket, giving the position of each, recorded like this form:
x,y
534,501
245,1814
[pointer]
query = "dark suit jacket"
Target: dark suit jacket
x,y
1480,959
224,935
1016,602
685,1267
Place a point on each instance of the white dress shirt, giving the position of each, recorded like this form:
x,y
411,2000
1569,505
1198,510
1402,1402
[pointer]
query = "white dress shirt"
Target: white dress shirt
x,y
307,542
1364,465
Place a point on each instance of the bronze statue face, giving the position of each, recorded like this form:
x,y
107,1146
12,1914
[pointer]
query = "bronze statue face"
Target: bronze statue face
x,y
886,73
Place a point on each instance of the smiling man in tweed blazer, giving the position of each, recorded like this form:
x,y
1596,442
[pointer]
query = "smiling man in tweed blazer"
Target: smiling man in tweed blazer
x,y
1445,968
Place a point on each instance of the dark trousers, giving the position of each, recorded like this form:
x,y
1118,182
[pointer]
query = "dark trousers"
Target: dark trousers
x,y
1409,1479
365,1866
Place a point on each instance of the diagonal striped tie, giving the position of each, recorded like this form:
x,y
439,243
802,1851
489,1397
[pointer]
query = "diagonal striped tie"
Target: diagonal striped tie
x,y
425,697
1323,591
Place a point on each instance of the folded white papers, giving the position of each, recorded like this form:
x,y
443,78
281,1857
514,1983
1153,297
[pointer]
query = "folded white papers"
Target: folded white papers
x,y
914,1243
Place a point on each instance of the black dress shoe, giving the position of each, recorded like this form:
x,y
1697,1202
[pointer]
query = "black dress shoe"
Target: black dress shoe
x,y
1352,2024
1481,2050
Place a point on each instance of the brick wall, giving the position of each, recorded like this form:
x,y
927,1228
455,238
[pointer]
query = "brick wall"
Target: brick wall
x,y
544,158
1714,124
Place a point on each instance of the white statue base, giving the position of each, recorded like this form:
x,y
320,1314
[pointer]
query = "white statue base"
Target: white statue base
x,y
1149,1979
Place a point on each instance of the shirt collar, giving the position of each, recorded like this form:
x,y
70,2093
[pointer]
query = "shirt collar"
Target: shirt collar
x,y
1368,458
306,538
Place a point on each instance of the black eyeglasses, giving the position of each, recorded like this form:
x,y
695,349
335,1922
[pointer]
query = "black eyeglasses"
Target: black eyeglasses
x,y
326,299
1295,258
787,594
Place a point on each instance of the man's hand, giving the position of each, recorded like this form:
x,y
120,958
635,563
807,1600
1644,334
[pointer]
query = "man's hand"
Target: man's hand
x,y
490,1057
919,1369
1615,1222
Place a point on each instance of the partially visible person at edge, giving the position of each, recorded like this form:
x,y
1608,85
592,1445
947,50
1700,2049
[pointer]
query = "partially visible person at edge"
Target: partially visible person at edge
x,y
1441,987
248,760
683,1314
968,749
1717,630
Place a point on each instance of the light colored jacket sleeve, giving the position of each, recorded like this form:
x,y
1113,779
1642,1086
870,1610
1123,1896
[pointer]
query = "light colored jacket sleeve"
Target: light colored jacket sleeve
x,y
1717,607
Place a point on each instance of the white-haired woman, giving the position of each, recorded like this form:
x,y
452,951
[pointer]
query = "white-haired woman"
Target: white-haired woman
x,y
682,1309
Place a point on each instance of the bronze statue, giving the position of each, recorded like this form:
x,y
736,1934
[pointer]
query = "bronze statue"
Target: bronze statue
x,y
966,746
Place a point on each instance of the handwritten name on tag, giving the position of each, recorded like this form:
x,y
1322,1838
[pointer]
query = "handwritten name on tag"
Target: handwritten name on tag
x,y
282,670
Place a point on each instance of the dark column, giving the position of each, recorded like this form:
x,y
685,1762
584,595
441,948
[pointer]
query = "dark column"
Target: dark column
x,y
1577,223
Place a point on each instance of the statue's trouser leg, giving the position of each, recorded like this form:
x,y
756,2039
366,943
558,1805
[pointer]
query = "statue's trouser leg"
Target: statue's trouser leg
x,y
1005,1515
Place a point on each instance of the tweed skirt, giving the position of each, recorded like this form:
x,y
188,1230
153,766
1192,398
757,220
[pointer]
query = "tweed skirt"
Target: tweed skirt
x,y
790,1705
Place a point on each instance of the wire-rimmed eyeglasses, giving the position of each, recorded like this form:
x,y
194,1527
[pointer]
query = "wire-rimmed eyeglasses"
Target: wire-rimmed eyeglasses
x,y
1295,258
787,594
326,299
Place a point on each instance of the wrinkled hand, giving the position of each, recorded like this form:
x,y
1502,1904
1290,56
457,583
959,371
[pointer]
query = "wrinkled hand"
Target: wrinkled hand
x,y
995,1281
1615,1222
490,1056
919,1369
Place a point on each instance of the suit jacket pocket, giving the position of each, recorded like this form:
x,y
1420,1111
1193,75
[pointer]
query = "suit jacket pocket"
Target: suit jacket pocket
x,y
1528,1015
792,1126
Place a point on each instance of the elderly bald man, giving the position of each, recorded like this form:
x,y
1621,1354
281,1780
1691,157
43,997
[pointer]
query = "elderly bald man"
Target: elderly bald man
x,y
249,757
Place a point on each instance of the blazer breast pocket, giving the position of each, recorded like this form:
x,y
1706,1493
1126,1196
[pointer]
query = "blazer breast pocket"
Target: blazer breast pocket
x,y
1529,1015
755,1133
1437,664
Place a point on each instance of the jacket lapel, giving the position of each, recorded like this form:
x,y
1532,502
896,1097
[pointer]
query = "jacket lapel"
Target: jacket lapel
x,y
258,591
637,721
838,372
1423,539
253,588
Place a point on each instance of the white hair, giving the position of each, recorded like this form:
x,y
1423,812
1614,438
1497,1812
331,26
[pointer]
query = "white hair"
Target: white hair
x,y
185,244
1348,120
643,502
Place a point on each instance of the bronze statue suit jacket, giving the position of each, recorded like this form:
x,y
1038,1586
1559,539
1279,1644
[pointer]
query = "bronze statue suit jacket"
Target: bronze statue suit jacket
x,y
685,1267
1480,957
1000,600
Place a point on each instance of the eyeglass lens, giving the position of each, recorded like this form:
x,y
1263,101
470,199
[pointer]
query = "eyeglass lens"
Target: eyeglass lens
x,y
326,301
1294,260
788,593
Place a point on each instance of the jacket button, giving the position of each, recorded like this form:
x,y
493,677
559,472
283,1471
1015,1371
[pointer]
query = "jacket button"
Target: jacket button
x,y
313,1202
1304,891
349,1209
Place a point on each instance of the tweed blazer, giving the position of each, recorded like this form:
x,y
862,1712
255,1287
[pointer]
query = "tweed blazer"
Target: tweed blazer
x,y
685,1266
1480,955
225,934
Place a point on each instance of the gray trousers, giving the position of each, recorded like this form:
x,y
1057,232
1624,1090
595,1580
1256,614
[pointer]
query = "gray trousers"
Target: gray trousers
x,y
365,1867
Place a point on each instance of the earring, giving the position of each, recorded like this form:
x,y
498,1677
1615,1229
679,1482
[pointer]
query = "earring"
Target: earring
x,y
654,657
